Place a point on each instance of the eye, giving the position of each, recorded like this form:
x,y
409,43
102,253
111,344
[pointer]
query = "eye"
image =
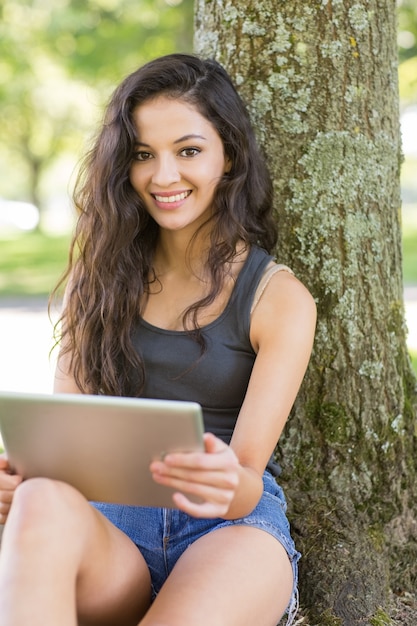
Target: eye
x,y
190,152
142,156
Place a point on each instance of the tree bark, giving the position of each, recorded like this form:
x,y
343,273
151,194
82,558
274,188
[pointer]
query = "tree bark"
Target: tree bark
x,y
320,80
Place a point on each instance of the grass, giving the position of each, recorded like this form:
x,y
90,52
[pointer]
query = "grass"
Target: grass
x,y
31,263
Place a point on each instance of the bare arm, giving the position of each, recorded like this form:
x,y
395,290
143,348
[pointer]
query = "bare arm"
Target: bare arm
x,y
282,333
64,381
229,478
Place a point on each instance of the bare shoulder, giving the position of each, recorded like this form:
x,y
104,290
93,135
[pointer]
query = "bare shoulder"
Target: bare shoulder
x,y
284,306
281,287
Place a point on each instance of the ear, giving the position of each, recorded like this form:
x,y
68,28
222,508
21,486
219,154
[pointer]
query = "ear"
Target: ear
x,y
227,165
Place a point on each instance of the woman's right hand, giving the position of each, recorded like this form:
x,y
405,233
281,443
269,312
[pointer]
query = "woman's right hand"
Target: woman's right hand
x,y
8,484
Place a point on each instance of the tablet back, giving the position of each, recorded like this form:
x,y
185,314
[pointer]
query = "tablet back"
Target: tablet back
x,y
101,445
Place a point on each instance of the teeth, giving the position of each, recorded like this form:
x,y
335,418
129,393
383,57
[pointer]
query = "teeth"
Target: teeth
x,y
176,198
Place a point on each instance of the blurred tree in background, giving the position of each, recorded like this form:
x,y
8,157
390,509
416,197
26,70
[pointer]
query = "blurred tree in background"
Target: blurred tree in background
x,y
59,60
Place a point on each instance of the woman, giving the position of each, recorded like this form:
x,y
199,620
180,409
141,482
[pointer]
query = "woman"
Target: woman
x,y
171,293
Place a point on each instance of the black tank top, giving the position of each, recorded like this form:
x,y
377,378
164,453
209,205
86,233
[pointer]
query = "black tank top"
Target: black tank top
x,y
218,379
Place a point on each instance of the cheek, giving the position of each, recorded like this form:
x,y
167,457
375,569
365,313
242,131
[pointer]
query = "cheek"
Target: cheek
x,y
136,178
211,175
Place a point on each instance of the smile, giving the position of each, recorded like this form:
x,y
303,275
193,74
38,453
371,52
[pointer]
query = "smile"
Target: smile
x,y
175,198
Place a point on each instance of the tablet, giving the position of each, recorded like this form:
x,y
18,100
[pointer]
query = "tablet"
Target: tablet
x,y
99,444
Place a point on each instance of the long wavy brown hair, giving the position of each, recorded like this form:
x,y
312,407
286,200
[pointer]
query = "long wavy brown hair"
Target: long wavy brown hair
x,y
110,258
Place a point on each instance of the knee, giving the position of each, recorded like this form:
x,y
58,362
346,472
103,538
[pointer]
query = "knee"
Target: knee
x,y
40,504
33,496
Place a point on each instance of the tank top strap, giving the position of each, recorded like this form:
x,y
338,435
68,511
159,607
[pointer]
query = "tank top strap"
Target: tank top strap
x,y
266,277
246,286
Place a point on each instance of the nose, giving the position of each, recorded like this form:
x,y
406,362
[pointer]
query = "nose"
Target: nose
x,y
165,171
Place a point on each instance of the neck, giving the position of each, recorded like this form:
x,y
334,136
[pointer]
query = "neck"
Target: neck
x,y
175,252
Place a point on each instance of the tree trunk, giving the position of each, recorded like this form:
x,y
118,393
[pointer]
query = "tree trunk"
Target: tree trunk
x,y
320,79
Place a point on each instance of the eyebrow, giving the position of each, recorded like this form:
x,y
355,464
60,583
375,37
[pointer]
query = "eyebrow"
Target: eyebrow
x,y
187,137
180,140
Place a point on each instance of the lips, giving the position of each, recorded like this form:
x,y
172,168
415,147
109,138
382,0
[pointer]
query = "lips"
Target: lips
x,y
167,199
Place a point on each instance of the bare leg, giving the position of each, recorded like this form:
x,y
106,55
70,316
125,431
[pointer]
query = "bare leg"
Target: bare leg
x,y
60,557
234,576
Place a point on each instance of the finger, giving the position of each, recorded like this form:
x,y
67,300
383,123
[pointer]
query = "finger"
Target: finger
x,y
4,514
197,460
203,491
4,508
213,444
4,463
9,481
204,510
195,472
6,497
179,479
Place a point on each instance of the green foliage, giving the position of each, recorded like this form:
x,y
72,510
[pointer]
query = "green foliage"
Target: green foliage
x,y
97,41
407,27
104,39
59,60
407,50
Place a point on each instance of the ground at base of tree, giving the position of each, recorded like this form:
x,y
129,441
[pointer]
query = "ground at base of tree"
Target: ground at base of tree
x,y
404,613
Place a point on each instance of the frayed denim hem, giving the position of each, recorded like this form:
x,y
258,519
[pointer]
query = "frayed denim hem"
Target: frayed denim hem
x,y
292,610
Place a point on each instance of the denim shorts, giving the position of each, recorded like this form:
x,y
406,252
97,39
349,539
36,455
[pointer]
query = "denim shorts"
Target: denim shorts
x,y
162,535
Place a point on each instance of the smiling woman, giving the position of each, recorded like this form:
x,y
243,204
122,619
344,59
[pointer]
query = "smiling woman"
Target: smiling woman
x,y
172,293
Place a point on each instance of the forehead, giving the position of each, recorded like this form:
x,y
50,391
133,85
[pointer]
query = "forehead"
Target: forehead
x,y
170,117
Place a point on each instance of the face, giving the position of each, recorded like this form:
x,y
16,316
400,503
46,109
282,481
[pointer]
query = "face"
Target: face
x,y
179,160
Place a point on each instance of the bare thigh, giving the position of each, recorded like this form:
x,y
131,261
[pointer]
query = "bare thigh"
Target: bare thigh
x,y
114,588
233,576
65,558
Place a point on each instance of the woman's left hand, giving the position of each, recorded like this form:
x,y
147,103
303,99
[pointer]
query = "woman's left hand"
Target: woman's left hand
x,y
211,476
